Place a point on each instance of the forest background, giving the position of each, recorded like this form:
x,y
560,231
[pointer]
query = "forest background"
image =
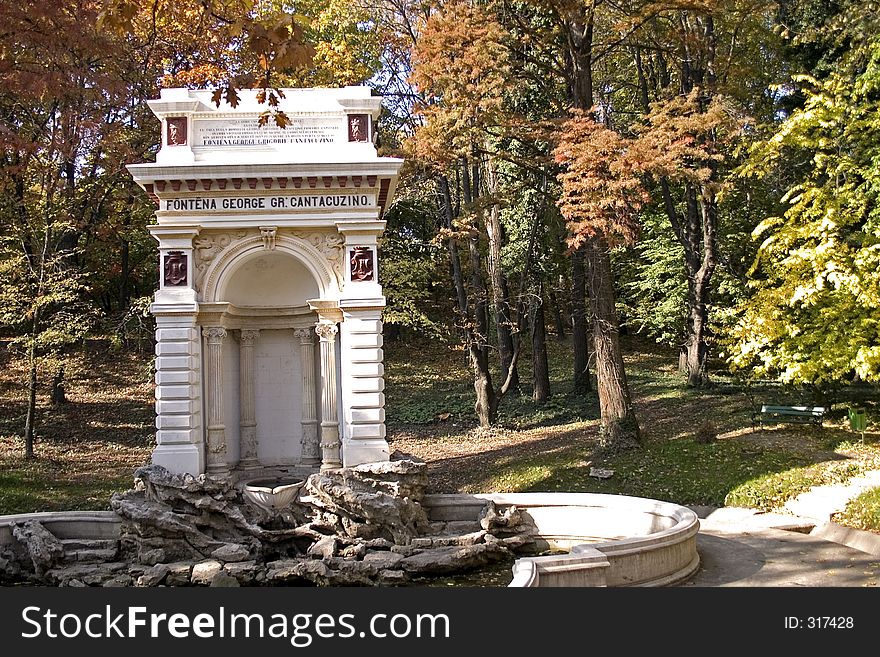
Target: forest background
x,y
700,174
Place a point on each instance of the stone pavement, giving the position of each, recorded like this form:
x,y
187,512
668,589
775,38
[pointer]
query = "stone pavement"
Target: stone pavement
x,y
798,547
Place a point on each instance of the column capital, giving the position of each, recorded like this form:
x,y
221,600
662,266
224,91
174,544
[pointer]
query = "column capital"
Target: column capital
x,y
214,334
247,337
304,334
327,332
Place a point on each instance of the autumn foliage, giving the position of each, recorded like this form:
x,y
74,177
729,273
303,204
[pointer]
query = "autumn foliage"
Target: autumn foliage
x,y
601,190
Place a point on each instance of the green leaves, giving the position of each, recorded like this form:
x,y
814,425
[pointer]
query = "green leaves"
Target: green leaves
x,y
816,288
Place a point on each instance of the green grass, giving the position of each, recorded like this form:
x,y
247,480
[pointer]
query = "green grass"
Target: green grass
x,y
761,469
88,449
38,488
679,471
863,512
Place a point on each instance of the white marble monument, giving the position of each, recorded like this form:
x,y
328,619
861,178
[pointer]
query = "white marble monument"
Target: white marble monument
x,y
268,313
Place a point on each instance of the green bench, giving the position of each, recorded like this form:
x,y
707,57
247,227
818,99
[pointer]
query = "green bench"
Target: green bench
x,y
796,414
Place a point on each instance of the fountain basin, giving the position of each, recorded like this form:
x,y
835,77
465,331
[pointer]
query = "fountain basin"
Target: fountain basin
x,y
610,540
607,540
273,494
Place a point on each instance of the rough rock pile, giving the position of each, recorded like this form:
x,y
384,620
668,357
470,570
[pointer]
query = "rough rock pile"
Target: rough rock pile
x,y
353,526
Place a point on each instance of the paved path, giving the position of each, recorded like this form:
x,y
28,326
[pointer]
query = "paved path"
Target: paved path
x,y
798,547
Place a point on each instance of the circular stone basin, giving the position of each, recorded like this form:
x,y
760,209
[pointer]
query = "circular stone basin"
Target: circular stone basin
x,y
273,494
603,540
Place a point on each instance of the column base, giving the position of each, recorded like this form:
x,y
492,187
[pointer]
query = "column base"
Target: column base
x,y
357,452
219,472
180,458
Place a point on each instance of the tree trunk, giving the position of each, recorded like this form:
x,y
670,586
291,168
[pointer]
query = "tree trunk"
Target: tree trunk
x,y
125,266
540,367
484,406
620,429
558,319
58,395
31,417
500,299
698,312
581,362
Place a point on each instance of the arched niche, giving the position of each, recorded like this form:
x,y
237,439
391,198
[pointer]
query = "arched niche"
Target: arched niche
x,y
268,279
252,274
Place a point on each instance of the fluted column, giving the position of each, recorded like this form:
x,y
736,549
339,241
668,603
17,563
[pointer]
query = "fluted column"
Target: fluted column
x,y
216,452
311,448
247,404
330,456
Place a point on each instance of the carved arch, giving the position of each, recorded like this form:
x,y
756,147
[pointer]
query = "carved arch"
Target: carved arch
x,y
230,259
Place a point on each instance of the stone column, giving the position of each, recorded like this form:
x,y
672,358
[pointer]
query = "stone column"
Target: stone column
x,y
216,439
179,435
363,383
247,405
311,448
330,456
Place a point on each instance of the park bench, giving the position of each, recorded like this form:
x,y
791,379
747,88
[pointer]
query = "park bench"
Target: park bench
x,y
771,414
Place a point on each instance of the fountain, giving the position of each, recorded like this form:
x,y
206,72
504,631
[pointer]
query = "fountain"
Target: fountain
x,y
273,494
367,525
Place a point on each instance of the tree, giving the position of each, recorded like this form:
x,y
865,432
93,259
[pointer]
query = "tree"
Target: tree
x,y
601,198
813,314
60,82
683,141
460,67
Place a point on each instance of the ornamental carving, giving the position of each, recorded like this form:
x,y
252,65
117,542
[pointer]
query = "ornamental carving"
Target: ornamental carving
x,y
174,268
214,334
331,246
207,248
358,129
176,131
326,331
247,337
268,234
361,262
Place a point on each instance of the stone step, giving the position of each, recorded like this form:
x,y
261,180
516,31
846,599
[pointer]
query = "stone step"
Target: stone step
x,y
89,550
89,543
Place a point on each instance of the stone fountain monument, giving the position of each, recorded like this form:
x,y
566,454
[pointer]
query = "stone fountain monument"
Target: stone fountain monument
x,y
268,313
269,368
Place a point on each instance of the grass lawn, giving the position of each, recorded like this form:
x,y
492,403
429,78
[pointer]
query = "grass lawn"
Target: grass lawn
x,y
88,448
552,447
85,449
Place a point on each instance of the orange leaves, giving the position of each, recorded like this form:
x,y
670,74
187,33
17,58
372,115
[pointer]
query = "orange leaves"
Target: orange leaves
x,y
684,138
601,190
200,75
278,43
225,92
460,68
